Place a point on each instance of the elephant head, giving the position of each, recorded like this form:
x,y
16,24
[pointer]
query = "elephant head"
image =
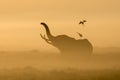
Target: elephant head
x,y
67,44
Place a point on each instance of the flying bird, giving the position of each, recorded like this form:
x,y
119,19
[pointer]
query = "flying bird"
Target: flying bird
x,y
80,34
82,22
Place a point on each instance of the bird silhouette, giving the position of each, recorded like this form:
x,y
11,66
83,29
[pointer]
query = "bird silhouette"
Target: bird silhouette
x,y
80,34
82,22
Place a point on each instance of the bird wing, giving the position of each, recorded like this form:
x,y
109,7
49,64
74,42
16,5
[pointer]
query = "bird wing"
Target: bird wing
x,y
80,22
84,21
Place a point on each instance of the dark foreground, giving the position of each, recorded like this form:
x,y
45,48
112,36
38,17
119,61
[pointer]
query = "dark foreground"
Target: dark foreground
x,y
102,65
30,73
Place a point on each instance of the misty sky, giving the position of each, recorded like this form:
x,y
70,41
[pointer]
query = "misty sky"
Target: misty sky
x,y
20,29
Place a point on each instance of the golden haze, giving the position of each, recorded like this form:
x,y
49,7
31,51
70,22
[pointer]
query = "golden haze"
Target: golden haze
x,y
19,22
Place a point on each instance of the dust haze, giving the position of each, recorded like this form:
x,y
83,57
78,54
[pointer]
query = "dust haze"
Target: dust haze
x,y
34,64
59,40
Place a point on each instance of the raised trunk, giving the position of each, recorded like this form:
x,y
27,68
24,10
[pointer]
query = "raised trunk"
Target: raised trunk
x,y
49,35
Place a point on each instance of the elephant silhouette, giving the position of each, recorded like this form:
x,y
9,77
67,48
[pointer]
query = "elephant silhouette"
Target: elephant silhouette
x,y
67,44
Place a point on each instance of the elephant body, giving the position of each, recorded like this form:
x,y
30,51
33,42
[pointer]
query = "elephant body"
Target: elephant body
x,y
67,44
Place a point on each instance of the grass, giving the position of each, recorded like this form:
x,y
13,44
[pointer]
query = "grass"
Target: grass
x,y
30,73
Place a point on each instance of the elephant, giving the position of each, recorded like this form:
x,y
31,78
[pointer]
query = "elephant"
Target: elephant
x,y
66,44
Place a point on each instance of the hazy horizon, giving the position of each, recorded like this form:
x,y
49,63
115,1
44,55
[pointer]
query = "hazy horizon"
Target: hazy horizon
x,y
20,28
25,55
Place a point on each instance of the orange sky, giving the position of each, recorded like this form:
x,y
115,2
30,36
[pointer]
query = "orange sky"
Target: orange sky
x,y
19,22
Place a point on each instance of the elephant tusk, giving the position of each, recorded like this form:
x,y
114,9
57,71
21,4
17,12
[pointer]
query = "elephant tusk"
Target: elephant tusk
x,y
47,40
